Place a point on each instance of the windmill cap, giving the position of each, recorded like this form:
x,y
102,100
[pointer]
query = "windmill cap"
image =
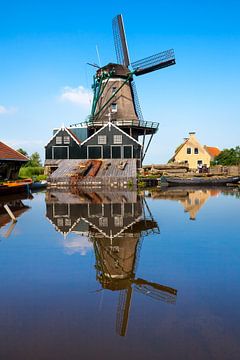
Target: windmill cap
x,y
117,69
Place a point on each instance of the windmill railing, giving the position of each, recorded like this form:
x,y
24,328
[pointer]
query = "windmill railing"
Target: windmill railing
x,y
120,122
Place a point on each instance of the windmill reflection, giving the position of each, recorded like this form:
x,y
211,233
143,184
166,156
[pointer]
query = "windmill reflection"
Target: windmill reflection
x,y
12,207
115,223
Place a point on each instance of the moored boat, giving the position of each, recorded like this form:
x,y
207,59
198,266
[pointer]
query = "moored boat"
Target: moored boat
x,y
38,185
16,186
197,180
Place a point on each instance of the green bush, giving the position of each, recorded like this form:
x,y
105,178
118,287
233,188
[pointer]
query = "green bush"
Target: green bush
x,y
30,172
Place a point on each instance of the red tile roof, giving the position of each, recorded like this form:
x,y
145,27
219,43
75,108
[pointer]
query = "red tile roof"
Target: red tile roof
x,y
213,151
7,153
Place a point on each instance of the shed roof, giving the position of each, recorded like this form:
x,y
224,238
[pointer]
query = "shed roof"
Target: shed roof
x,y
7,153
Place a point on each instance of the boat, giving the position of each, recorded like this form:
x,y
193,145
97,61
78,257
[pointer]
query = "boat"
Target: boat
x,y
199,180
38,185
16,186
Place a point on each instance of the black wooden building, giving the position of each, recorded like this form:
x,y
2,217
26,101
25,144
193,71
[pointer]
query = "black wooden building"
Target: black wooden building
x,y
109,142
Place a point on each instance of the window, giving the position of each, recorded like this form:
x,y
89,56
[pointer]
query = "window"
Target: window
x,y
103,221
118,221
58,140
94,152
66,139
116,152
114,107
114,89
199,162
196,151
68,222
117,139
102,139
127,152
189,150
59,222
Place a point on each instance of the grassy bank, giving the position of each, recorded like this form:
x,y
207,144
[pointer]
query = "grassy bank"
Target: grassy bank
x,y
36,173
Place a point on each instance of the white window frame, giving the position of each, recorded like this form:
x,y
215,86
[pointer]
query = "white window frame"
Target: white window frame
x,y
112,146
114,107
59,140
58,148
61,216
94,146
102,139
117,142
103,221
132,151
118,221
66,139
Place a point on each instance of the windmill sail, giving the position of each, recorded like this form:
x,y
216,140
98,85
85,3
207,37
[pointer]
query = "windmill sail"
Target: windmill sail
x,y
136,101
154,62
120,41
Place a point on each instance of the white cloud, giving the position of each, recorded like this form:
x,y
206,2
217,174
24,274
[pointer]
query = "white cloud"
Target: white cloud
x,y
77,245
5,111
78,95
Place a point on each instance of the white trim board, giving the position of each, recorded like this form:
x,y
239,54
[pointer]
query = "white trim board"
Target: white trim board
x,y
116,127
69,133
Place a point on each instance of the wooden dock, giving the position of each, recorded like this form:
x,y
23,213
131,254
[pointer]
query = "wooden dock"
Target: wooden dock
x,y
111,173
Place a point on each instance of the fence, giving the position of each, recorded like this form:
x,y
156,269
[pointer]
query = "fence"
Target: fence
x,y
225,170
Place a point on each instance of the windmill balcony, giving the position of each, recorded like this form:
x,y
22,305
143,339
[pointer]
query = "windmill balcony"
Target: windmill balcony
x,y
148,126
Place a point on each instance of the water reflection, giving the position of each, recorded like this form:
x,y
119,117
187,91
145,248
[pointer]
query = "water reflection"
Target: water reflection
x,y
14,206
192,199
116,224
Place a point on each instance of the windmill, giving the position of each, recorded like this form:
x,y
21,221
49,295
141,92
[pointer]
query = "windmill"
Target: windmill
x,y
116,264
115,96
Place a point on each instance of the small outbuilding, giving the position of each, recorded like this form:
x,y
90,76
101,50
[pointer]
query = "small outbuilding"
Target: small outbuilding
x,y
10,162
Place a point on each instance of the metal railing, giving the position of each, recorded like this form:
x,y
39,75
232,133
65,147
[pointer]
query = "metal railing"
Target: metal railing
x,y
118,122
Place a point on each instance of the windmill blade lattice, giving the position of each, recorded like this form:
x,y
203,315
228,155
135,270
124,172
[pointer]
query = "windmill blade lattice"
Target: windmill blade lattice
x,y
120,41
136,101
154,62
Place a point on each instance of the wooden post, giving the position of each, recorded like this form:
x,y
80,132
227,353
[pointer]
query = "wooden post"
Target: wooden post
x,y
6,207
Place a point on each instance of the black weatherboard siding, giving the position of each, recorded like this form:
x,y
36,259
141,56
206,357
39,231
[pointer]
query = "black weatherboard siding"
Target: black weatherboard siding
x,y
108,143
103,144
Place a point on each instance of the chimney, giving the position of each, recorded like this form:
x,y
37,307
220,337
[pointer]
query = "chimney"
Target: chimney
x,y
192,134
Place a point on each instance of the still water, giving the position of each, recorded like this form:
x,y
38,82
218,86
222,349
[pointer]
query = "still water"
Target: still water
x,y
121,275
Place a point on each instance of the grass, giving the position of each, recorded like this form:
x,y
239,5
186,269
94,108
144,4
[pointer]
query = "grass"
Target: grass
x,y
36,173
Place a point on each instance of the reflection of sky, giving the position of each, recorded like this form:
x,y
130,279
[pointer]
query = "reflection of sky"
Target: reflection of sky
x,y
76,244
49,306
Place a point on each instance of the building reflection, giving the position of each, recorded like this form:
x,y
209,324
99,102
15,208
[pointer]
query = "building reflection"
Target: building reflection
x,y
192,199
116,224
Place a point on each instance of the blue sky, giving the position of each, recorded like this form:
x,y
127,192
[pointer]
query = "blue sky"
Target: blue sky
x,y
45,82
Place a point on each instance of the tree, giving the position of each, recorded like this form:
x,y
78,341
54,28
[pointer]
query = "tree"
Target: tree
x,y
228,157
23,152
35,160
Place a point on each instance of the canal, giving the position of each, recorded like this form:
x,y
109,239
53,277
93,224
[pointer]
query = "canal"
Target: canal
x,y
97,274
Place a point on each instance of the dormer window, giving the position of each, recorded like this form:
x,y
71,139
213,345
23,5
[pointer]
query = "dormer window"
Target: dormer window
x,y
102,139
58,140
66,139
114,107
